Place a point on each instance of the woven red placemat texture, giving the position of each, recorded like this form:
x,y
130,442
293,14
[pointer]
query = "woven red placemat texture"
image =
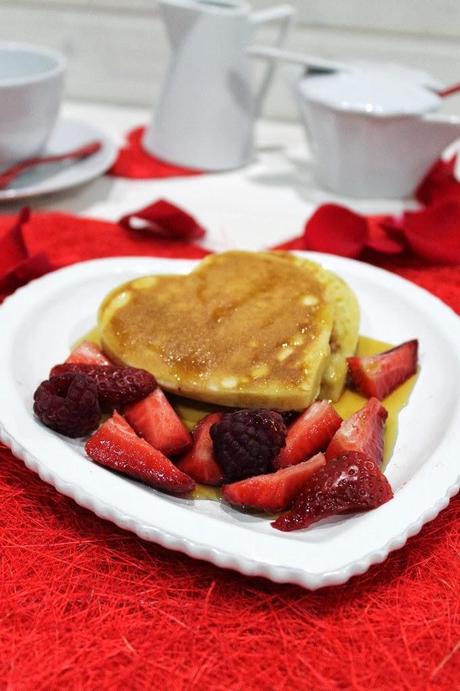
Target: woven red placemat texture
x,y
84,605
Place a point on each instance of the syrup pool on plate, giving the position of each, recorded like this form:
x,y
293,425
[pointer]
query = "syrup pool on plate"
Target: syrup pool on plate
x,y
191,411
350,401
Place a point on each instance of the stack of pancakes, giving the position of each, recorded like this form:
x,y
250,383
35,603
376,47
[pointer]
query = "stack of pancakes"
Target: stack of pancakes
x,y
244,329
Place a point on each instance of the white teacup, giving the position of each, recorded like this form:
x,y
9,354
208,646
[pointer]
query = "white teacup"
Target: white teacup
x,y
31,85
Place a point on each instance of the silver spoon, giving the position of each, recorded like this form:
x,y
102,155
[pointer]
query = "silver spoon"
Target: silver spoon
x,y
311,62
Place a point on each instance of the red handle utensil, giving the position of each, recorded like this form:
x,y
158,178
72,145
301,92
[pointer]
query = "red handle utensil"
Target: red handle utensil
x,y
7,176
449,90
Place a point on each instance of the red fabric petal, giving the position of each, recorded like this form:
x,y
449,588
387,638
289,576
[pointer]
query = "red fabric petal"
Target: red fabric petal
x,y
24,271
440,183
434,233
336,230
332,229
164,220
442,280
66,238
134,162
384,235
297,243
12,249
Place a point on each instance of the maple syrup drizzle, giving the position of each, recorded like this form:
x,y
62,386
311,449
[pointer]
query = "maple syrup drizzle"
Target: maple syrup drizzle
x,y
191,412
92,336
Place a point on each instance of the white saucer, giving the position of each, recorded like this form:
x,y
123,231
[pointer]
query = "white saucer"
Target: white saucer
x,y
67,134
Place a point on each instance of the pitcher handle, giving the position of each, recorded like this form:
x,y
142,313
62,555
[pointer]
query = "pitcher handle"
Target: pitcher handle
x,y
284,14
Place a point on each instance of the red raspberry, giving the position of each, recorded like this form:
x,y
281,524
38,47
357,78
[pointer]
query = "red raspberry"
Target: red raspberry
x,y
68,404
247,442
116,386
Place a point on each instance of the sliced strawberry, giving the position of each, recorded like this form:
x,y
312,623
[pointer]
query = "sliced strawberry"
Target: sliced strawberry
x,y
87,353
273,492
346,484
155,419
379,375
199,462
362,432
115,445
311,432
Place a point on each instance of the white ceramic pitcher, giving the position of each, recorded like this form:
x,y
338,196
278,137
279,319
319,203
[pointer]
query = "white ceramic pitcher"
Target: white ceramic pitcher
x,y
205,115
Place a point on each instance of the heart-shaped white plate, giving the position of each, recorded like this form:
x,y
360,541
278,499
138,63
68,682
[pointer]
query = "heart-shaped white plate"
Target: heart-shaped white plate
x,y
39,323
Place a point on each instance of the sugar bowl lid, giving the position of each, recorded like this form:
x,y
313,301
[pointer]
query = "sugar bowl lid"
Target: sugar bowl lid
x,y
370,91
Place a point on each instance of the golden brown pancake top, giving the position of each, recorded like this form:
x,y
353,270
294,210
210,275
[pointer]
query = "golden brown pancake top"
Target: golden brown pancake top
x,y
241,322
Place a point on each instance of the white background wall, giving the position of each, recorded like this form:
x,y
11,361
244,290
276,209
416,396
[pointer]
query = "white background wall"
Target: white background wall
x,y
117,50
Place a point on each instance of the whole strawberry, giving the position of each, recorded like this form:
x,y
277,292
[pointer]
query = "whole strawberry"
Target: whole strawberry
x,y
68,404
246,442
116,386
346,484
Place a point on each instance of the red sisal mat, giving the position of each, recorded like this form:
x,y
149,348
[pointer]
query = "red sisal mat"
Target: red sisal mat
x,y
84,605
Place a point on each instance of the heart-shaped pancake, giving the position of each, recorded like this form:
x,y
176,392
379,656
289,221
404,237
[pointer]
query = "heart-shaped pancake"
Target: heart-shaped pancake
x,y
243,329
345,327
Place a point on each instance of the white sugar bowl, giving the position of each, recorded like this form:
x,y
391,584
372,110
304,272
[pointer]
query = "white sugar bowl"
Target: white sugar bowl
x,y
373,133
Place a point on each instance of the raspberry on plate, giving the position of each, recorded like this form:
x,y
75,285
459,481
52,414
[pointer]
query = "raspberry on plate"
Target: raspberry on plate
x,y
347,484
116,386
247,442
68,404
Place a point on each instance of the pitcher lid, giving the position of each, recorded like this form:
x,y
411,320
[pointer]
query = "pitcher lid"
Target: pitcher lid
x,y
370,92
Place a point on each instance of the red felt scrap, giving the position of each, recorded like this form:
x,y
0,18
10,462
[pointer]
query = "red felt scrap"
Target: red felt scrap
x,y
135,162
336,230
431,233
17,265
164,220
384,235
12,249
24,271
440,183
434,233
33,245
66,239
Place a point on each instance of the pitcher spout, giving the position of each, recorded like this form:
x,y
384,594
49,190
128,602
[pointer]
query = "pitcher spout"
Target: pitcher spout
x,y
178,17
